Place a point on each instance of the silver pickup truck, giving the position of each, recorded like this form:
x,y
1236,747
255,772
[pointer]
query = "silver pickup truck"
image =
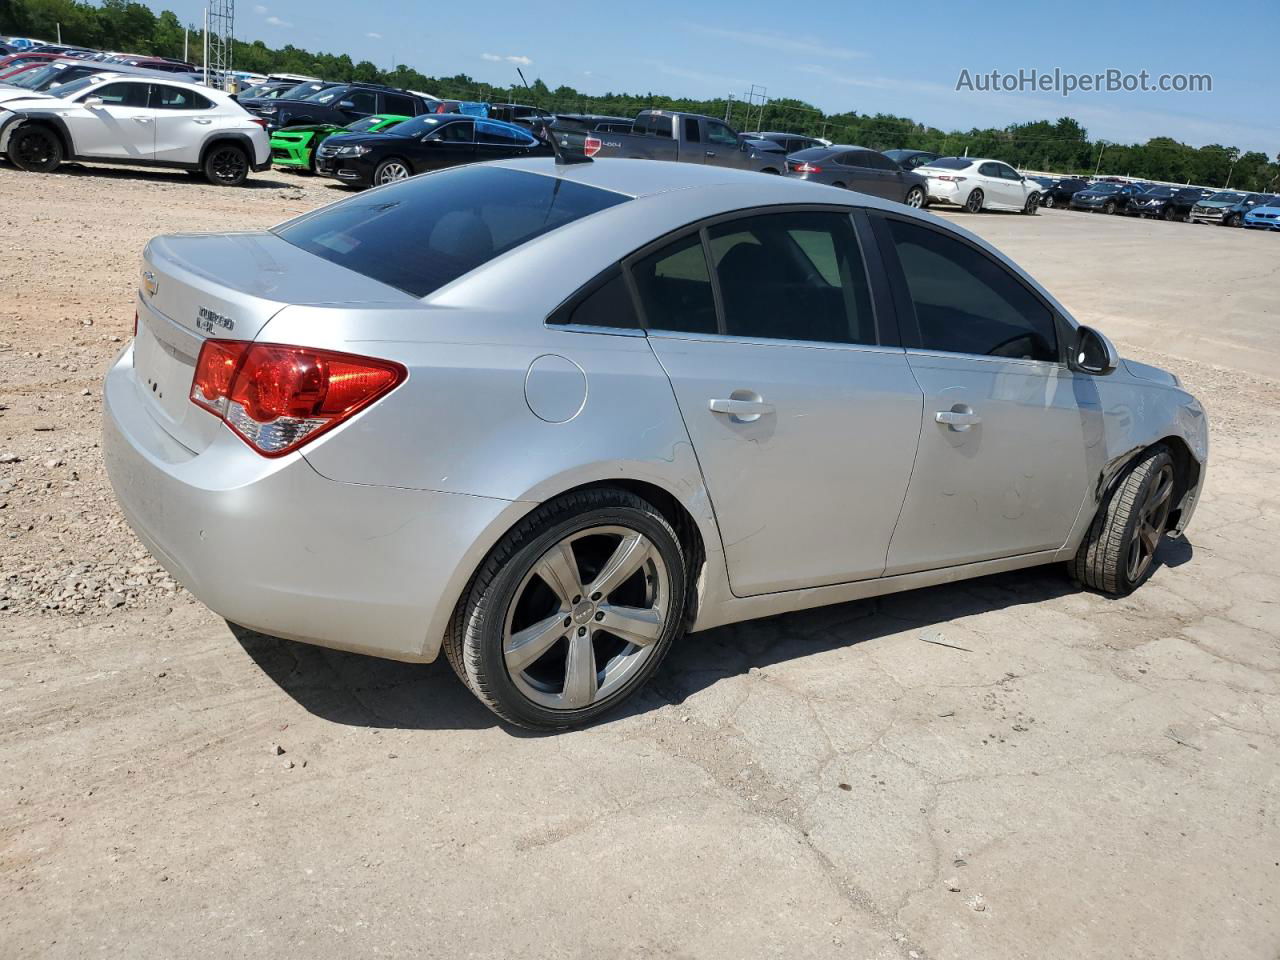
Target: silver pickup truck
x,y
689,138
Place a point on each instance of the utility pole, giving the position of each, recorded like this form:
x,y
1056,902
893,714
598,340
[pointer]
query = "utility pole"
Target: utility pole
x,y
1102,148
59,29
186,38
204,61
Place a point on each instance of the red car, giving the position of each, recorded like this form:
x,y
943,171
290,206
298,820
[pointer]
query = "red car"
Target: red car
x,y
12,65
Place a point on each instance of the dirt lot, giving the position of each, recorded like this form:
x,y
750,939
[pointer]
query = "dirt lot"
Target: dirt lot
x,y
1088,778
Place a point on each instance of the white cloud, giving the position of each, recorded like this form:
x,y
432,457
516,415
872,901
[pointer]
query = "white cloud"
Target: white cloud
x,y
510,58
803,46
277,22
373,36
260,10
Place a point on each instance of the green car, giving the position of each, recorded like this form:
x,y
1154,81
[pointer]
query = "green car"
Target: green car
x,y
296,146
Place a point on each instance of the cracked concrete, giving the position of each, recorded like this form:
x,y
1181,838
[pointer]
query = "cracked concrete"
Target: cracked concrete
x,y
1099,776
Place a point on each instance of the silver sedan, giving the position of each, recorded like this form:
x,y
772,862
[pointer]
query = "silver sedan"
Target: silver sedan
x,y
548,418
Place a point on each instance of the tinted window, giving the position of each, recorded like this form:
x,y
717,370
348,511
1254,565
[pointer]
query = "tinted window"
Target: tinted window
x,y
460,131
608,304
965,302
424,233
792,276
398,103
122,94
691,133
164,97
1008,172
675,288
496,133
718,132
952,163
878,161
362,101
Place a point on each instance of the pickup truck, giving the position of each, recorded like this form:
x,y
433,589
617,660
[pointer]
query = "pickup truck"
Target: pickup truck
x,y
688,138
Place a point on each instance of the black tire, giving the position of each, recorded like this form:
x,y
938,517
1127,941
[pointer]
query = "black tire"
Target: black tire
x,y
839,184
1169,215
1032,206
35,149
226,165
474,645
973,202
1232,220
1104,561
1048,202
1109,207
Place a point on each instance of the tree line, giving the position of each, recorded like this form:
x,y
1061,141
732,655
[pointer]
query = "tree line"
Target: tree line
x,y
1062,146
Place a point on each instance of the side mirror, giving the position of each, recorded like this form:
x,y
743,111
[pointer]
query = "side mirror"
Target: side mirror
x,y
1093,353
93,103
346,105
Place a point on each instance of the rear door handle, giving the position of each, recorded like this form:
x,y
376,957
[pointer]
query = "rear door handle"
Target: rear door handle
x,y
740,408
203,120
710,153
956,419
141,119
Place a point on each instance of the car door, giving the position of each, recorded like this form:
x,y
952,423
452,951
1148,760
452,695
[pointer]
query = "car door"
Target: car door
x,y
356,104
183,119
1016,189
446,146
114,122
887,176
995,187
802,410
401,105
1002,467
721,145
862,177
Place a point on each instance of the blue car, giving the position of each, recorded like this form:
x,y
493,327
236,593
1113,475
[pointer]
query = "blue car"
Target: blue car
x,y
1265,216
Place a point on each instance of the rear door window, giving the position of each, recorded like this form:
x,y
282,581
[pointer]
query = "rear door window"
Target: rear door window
x,y
122,94
675,288
401,105
429,231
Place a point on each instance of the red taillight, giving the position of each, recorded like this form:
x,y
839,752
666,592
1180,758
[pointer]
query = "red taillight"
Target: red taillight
x,y
260,121
949,178
276,397
591,146
806,168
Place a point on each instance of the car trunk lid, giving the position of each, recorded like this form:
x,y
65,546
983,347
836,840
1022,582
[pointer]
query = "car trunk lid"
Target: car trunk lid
x,y
225,286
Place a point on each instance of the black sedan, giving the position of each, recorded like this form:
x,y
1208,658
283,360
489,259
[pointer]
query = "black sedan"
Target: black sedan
x,y
1107,197
429,142
910,159
1060,194
857,168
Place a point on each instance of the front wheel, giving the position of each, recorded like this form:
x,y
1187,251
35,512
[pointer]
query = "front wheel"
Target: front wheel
x,y
1169,214
1232,220
973,202
35,149
1048,202
390,171
1120,546
915,198
572,611
1032,206
1109,207
227,165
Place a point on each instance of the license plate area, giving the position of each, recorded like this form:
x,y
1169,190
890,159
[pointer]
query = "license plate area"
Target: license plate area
x,y
164,360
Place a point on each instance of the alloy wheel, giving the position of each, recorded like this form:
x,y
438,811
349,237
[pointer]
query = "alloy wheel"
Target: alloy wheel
x,y
34,149
973,203
392,171
915,198
1153,515
586,617
229,165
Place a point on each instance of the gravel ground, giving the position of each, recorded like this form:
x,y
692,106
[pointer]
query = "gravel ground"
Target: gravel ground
x,y
1088,777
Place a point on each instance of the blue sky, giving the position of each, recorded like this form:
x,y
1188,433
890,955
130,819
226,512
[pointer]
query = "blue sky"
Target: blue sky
x,y
901,58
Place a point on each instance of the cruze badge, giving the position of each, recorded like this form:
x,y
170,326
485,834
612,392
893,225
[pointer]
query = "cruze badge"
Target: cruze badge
x,y
150,283
207,319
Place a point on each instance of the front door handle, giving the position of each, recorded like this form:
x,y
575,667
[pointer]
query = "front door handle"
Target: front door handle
x,y
141,119
203,120
957,419
711,153
741,408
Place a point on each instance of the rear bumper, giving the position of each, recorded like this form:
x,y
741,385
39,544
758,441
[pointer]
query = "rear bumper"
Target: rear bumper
x,y
274,546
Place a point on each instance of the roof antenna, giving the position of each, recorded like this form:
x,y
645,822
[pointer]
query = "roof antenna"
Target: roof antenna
x,y
568,147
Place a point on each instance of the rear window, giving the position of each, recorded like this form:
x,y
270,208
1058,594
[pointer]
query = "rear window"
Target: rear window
x,y
419,235
952,163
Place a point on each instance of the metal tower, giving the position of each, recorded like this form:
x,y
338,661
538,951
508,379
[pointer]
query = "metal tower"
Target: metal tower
x,y
220,40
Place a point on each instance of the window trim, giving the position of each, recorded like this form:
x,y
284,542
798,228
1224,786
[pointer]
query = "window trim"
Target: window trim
x,y
588,289
904,306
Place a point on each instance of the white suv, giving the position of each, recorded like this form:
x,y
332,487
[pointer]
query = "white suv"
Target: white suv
x,y
140,121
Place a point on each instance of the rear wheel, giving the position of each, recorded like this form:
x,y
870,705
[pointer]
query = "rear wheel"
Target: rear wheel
x,y
839,184
915,197
1120,546
573,610
35,149
226,165
391,171
973,203
1048,202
